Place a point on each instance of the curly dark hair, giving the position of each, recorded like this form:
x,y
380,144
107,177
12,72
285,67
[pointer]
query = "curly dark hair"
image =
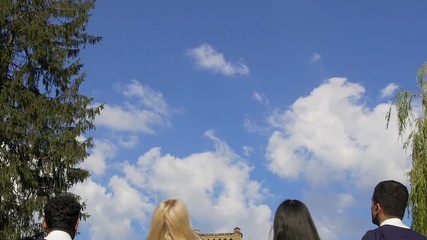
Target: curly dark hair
x,y
62,213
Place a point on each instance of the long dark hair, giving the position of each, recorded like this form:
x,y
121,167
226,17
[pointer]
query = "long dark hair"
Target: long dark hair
x,y
293,221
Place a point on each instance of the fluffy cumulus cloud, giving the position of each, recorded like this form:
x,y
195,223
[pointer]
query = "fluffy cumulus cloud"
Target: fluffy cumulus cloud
x,y
223,190
389,90
112,209
332,136
214,183
206,57
96,163
144,110
149,98
339,148
330,142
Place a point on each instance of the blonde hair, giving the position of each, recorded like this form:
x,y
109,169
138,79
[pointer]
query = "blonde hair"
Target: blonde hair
x,y
171,221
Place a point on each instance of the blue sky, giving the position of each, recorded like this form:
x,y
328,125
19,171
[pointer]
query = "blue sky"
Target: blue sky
x,y
234,106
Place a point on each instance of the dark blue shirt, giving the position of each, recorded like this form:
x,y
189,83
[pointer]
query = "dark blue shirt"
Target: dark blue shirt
x,y
389,232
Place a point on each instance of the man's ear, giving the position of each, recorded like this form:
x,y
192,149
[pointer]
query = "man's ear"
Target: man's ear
x,y
378,207
44,224
77,225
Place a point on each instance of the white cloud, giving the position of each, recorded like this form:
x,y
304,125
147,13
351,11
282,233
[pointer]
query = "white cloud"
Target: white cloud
x,y
129,118
315,57
258,97
151,99
327,139
212,183
223,190
128,141
254,127
337,148
332,136
146,110
96,162
112,212
389,90
207,57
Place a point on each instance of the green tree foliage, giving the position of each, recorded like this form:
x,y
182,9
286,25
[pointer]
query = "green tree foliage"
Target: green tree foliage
x,y
42,113
416,140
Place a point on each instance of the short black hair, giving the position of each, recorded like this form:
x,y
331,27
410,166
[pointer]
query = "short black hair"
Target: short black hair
x,y
62,213
293,221
392,197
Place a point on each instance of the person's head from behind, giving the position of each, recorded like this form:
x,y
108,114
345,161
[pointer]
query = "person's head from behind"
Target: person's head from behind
x,y
62,212
293,221
389,200
171,221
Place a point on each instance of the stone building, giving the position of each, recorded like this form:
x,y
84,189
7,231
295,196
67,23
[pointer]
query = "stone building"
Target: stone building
x,y
235,235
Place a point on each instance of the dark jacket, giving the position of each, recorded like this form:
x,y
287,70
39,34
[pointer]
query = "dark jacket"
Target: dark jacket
x,y
389,232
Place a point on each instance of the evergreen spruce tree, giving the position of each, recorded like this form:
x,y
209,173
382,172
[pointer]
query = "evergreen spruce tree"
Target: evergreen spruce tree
x,y
42,113
417,142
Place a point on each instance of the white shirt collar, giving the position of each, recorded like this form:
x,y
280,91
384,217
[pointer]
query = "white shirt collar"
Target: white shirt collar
x,y
58,235
394,222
